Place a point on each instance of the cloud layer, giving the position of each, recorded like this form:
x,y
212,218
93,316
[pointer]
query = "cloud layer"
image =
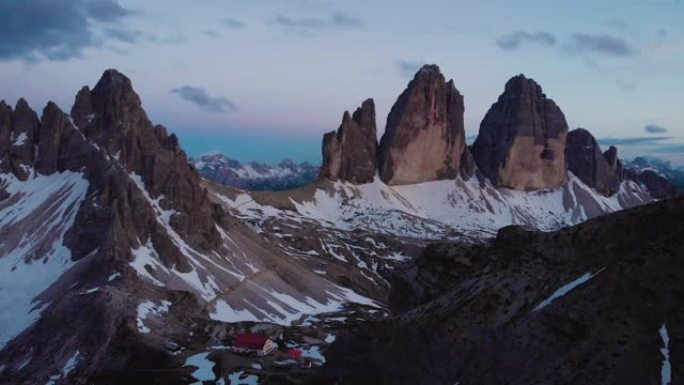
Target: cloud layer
x,y
633,141
600,44
519,39
408,68
581,43
314,25
203,100
54,29
233,23
654,129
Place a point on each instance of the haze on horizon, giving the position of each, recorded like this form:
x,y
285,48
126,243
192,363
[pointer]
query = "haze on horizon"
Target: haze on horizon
x,y
264,80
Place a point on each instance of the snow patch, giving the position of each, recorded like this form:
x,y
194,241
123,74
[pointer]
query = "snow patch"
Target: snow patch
x,y
286,309
204,285
145,258
90,291
49,205
147,308
205,367
666,368
314,352
21,139
240,378
438,209
565,289
71,364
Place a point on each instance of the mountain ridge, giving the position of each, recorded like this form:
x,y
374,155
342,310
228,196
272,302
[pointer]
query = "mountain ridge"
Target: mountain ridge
x,y
136,263
255,176
137,227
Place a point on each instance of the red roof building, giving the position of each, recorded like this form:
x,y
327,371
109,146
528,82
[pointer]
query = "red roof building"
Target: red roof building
x,y
247,343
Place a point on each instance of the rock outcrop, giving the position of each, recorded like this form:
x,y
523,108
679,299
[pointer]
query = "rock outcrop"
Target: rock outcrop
x,y
113,120
424,139
113,220
52,144
588,163
578,297
614,162
522,139
350,153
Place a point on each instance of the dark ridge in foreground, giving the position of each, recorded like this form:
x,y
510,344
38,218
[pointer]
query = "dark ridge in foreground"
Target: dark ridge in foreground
x,y
481,315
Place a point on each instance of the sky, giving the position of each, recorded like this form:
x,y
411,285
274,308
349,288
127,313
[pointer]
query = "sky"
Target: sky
x,y
263,80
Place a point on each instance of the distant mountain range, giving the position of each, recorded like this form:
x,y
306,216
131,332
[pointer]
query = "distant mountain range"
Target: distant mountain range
x,y
255,176
287,175
662,167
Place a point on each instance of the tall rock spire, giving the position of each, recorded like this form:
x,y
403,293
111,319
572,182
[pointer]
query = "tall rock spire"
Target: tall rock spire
x,y
522,139
350,153
614,162
586,161
424,139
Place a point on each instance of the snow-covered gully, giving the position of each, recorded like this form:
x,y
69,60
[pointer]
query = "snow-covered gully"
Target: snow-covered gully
x,y
566,289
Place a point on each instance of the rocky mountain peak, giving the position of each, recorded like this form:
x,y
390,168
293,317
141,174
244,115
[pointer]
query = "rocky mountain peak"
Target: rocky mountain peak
x,y
614,162
364,116
429,70
112,105
522,137
25,119
589,164
18,129
22,104
519,84
424,138
82,110
350,153
60,145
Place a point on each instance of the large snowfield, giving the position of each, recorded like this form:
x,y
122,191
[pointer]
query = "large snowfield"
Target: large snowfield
x,y
42,209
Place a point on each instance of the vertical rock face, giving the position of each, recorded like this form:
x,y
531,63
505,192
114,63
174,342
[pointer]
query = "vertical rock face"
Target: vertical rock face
x,y
350,153
614,162
59,142
5,136
19,132
586,161
424,139
522,139
113,120
110,140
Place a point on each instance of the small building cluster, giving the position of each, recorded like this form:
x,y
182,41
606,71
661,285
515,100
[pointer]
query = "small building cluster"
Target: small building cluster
x,y
256,344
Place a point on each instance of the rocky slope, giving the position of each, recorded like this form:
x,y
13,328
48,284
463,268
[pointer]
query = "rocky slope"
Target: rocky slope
x,y
254,176
521,143
112,249
350,153
424,139
597,303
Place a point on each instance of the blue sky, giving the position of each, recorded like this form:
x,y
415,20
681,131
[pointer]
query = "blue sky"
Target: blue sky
x,y
263,80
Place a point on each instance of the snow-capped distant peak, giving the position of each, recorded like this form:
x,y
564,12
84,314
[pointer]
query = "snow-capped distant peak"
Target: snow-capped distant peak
x,y
254,175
